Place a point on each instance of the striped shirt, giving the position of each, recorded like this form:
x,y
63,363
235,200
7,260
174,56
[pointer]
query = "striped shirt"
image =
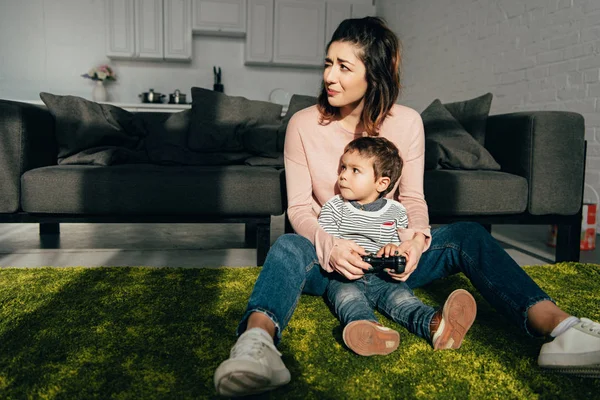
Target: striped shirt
x,y
369,229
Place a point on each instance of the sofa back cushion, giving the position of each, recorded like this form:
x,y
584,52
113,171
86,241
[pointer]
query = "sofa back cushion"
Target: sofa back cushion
x,y
219,121
448,145
472,115
93,133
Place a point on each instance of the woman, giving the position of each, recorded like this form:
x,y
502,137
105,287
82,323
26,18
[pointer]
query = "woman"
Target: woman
x,y
360,87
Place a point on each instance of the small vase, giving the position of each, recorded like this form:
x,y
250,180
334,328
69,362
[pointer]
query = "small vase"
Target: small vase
x,y
99,92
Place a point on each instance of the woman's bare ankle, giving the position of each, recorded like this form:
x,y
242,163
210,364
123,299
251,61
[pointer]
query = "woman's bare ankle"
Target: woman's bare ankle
x,y
544,316
260,320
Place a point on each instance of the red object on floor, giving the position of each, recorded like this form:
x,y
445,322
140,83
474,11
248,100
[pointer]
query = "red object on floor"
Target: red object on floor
x,y
588,228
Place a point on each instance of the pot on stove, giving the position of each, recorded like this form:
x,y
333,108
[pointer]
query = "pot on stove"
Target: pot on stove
x,y
151,97
177,97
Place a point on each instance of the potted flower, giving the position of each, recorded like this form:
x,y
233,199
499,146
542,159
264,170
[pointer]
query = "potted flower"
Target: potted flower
x,y
100,74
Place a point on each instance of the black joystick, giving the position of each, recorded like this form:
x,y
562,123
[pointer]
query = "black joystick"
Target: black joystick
x,y
395,263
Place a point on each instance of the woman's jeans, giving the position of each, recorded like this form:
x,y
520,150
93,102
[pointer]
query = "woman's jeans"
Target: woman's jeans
x,y
292,268
356,300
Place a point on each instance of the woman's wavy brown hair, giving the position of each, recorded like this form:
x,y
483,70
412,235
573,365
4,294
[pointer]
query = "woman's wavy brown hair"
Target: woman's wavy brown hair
x,y
379,49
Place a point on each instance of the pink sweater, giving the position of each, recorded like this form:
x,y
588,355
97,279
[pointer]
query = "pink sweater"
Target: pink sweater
x,y
312,155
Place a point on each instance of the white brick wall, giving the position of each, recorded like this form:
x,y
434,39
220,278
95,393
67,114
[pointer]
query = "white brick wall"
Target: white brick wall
x,y
532,55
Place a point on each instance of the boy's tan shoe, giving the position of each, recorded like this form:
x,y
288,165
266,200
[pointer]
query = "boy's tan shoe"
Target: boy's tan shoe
x,y
450,324
367,338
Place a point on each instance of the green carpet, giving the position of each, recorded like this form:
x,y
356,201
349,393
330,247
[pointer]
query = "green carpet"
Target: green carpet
x,y
148,333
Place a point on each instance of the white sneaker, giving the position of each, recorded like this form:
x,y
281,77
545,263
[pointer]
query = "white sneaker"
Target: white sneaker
x,y
575,351
254,366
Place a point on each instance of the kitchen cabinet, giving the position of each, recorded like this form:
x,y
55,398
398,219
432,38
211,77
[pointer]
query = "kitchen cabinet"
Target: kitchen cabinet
x,y
336,13
178,30
148,29
259,39
219,17
295,32
120,25
362,10
299,33
131,107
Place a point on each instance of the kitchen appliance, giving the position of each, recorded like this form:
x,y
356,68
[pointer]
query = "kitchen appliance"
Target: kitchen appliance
x,y
177,97
151,97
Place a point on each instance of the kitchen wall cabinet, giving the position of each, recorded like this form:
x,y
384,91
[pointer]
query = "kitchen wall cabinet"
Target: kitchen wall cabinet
x,y
178,30
148,29
259,38
336,13
120,28
219,17
299,33
295,32
362,10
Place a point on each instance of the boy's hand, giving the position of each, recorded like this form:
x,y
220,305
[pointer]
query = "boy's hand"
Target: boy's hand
x,y
412,250
346,259
389,250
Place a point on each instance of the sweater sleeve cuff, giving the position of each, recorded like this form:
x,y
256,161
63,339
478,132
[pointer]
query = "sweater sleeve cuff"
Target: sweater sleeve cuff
x,y
324,244
408,233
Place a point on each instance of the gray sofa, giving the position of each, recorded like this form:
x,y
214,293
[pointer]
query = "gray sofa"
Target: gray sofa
x,y
541,180
541,155
35,189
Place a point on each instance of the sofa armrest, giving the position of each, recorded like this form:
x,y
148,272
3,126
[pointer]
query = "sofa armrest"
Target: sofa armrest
x,y
546,148
27,141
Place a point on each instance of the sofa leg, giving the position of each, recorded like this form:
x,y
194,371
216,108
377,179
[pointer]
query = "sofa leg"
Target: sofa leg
x,y
263,241
250,235
567,242
49,228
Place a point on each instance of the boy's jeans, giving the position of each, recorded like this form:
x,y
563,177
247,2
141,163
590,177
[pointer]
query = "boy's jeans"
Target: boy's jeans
x,y
356,300
292,268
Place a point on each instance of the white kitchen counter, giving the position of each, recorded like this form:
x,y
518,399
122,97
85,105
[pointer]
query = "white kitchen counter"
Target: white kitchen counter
x,y
134,107
140,107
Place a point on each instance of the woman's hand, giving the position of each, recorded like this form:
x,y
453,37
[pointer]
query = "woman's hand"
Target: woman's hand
x,y
412,250
346,259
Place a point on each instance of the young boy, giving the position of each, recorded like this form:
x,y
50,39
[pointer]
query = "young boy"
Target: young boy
x,y
370,168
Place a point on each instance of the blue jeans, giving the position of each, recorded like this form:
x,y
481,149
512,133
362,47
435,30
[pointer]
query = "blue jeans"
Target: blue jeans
x,y
292,268
356,300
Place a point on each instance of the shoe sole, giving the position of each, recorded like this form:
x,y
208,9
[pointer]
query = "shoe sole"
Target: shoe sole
x,y
591,371
365,338
458,315
238,378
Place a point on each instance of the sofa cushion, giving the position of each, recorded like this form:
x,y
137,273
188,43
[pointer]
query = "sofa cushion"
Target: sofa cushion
x,y
166,142
258,161
298,102
218,120
449,145
456,192
262,140
472,115
146,189
93,133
